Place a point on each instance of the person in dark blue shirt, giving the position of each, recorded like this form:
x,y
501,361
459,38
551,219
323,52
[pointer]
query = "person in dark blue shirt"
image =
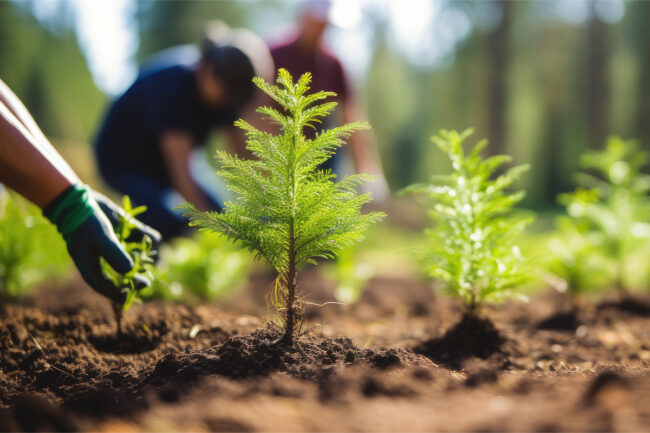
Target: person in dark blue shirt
x,y
145,144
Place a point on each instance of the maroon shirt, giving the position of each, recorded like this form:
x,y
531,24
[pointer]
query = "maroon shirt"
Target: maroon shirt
x,y
326,70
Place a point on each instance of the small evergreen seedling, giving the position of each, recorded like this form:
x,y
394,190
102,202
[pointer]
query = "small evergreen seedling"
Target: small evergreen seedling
x,y
288,210
610,206
472,243
140,252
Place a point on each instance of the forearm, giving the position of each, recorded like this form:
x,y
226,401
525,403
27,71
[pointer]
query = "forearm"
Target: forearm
x,y
24,164
20,112
192,192
362,145
176,148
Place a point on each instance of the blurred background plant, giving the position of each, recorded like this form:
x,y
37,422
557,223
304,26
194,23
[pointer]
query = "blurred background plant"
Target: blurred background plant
x,y
609,211
351,274
31,250
473,243
204,267
576,267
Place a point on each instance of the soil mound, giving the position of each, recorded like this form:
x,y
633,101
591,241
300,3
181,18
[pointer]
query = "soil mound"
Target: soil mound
x,y
560,321
637,307
258,354
471,337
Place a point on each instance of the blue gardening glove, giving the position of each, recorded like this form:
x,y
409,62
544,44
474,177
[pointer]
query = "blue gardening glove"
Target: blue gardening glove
x,y
114,213
88,235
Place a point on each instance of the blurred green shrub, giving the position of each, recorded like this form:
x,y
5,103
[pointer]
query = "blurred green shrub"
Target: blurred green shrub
x,y
31,250
473,241
351,275
610,207
575,262
203,267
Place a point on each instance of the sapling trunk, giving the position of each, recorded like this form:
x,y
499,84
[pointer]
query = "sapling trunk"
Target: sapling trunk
x,y
290,317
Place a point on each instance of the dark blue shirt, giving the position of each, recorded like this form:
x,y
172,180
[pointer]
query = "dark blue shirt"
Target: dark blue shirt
x,y
161,99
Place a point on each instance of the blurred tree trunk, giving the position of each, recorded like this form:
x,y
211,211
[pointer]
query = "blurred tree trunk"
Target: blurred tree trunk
x,y
598,94
498,62
641,12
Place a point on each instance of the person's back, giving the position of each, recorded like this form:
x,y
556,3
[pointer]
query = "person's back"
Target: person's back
x,y
326,69
161,99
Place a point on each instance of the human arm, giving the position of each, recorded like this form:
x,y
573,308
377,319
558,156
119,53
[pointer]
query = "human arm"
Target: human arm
x,y
176,148
32,167
28,162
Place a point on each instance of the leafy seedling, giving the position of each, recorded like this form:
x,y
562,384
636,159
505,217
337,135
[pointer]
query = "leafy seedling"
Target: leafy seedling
x,y
139,251
610,206
288,210
475,227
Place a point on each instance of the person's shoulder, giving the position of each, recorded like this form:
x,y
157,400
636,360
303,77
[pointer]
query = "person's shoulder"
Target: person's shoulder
x,y
167,73
284,47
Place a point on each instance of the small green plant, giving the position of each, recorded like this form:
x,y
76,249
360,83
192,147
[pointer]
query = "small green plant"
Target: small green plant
x,y
289,211
204,267
473,241
30,249
610,206
575,263
139,251
351,276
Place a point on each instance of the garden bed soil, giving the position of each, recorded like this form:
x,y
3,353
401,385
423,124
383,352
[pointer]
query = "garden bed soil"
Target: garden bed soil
x,y
399,360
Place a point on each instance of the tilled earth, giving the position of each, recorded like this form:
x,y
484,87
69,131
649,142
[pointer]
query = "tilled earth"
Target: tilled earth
x,y
398,360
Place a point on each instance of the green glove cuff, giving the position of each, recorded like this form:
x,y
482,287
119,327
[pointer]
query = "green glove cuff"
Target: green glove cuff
x,y
70,209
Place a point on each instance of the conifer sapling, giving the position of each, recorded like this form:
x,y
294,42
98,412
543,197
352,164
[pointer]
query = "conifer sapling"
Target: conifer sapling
x,y
473,241
287,209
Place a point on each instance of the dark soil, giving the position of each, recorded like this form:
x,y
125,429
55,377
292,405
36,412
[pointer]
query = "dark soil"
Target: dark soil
x,y
62,367
473,336
560,321
629,304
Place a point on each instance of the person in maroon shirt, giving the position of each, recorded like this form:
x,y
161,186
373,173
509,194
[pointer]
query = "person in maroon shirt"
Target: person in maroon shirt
x,y
304,52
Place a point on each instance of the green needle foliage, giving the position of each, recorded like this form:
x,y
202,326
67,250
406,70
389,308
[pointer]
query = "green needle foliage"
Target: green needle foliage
x,y
288,210
140,252
473,241
610,206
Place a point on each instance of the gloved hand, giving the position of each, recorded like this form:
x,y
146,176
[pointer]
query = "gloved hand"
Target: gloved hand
x,y
88,235
113,212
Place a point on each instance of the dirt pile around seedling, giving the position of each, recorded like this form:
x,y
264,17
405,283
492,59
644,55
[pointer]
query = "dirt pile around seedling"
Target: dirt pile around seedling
x,y
258,354
561,321
471,337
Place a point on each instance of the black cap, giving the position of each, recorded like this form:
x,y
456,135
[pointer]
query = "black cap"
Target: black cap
x,y
233,67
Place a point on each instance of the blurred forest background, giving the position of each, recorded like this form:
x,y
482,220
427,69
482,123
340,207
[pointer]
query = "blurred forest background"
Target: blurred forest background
x,y
542,80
